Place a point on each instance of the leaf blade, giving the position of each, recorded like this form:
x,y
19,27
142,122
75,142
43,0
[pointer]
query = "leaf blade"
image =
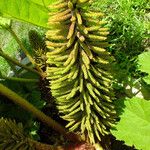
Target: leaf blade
x,y
25,10
144,65
134,124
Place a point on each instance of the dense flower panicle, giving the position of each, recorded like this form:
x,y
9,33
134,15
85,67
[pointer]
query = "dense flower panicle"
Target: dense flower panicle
x,y
38,46
12,136
78,67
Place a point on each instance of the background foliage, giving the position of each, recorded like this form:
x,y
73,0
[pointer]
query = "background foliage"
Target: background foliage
x,y
144,65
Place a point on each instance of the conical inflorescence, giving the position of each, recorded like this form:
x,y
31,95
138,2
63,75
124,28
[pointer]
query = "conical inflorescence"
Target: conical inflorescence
x,y
78,67
38,47
12,136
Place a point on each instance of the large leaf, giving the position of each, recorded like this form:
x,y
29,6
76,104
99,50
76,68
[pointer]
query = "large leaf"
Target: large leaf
x,y
134,124
26,10
4,21
43,2
144,59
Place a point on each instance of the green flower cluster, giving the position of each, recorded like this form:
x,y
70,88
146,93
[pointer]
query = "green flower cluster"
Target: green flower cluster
x,y
78,67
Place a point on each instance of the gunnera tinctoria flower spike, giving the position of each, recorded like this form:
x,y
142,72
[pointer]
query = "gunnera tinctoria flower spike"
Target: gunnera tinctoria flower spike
x,y
12,136
38,47
77,67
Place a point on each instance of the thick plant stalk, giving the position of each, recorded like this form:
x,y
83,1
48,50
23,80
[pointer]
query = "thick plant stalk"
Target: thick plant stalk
x,y
41,146
19,79
40,115
16,62
78,67
78,146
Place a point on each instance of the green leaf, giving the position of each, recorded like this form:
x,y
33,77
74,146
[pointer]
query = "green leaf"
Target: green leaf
x,y
43,2
25,10
134,124
145,89
4,21
144,65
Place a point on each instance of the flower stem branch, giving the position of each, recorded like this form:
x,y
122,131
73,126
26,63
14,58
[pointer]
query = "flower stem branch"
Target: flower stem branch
x,y
42,146
40,115
16,62
19,79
